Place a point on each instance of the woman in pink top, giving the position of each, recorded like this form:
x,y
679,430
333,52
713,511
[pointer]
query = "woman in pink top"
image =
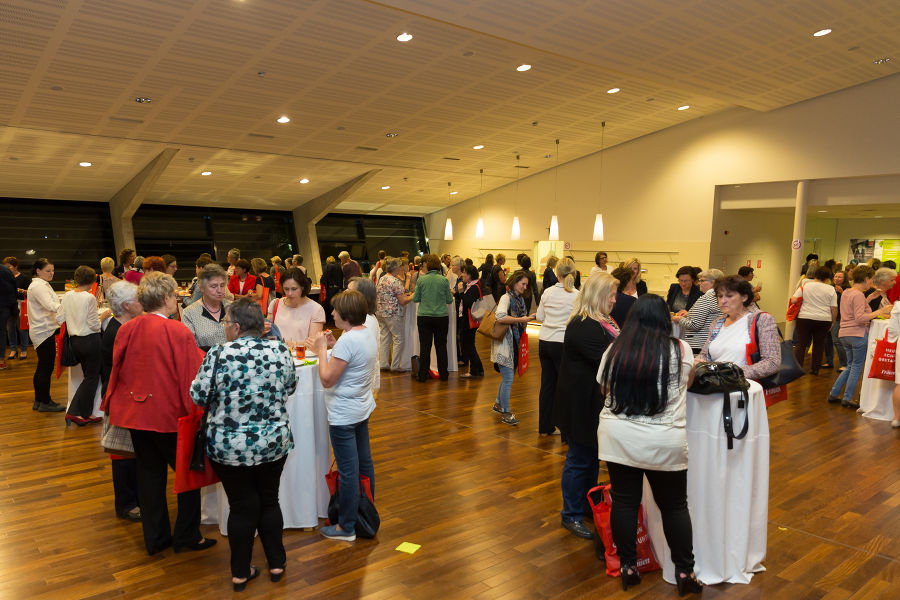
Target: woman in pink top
x,y
854,333
297,316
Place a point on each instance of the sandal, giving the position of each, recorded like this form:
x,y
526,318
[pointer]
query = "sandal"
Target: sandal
x,y
239,586
276,577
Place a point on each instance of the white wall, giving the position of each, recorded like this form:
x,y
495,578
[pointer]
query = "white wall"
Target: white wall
x,y
659,190
836,234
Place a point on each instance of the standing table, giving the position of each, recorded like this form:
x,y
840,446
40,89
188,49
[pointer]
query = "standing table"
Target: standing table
x,y
303,494
875,394
727,492
410,345
76,376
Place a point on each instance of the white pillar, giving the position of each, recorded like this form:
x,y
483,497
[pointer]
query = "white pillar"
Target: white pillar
x,y
797,251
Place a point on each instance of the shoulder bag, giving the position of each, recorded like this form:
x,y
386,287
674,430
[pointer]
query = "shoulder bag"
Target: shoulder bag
x,y
794,309
724,378
192,468
788,370
491,328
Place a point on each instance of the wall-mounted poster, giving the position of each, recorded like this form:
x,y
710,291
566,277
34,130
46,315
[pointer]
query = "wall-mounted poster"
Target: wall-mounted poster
x,y
863,250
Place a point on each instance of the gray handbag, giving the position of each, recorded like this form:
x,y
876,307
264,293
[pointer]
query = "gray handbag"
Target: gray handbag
x,y
115,439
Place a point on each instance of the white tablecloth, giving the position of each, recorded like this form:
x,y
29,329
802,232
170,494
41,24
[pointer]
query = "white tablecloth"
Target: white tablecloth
x,y
303,495
410,346
76,376
727,492
875,395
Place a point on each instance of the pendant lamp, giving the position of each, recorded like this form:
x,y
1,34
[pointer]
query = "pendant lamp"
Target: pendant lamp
x,y
448,226
516,233
598,228
598,220
479,227
554,222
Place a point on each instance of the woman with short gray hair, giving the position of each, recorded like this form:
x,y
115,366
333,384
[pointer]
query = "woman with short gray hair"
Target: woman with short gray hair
x,y
249,434
390,298
695,322
204,318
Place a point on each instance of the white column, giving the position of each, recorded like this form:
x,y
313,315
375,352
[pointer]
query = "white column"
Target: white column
x,y
797,251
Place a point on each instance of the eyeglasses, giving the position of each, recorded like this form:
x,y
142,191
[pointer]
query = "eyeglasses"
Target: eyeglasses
x,y
227,322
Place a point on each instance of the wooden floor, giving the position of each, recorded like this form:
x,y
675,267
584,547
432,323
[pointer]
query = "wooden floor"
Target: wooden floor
x,y
482,499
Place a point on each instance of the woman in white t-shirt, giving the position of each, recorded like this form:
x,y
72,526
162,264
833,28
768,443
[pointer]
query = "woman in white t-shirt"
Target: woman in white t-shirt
x,y
296,315
553,312
645,375
816,316
347,379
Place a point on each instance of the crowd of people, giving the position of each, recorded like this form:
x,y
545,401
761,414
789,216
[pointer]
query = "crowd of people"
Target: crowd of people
x,y
616,361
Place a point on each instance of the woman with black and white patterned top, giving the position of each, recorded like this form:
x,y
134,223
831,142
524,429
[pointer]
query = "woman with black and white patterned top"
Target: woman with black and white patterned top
x,y
249,435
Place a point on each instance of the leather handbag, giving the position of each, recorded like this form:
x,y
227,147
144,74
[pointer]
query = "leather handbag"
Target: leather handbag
x,y
491,328
198,456
367,518
724,378
788,369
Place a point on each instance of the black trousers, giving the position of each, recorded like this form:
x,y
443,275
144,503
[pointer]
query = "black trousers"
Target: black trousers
x,y
470,353
670,492
87,351
550,354
432,328
125,486
817,331
253,496
154,453
46,355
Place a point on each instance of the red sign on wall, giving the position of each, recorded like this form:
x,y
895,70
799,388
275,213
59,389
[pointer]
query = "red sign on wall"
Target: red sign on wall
x,y
748,262
759,264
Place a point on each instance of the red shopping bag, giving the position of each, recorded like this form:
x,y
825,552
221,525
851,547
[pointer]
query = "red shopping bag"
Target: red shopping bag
x,y
523,354
775,395
23,315
601,504
884,360
322,295
185,478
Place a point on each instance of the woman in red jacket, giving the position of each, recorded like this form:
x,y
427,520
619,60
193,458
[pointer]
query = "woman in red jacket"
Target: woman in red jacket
x,y
242,283
155,360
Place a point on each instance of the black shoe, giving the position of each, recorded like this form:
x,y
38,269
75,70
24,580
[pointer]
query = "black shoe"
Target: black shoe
x,y
203,544
132,515
578,529
276,577
239,587
630,576
853,405
51,407
36,405
827,366
833,400
687,583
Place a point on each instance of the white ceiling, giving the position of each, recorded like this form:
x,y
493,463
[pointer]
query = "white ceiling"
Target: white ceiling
x,y
70,73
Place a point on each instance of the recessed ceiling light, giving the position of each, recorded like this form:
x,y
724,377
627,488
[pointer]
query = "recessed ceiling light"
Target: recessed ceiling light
x,y
385,187
84,164
613,91
56,88
685,107
878,216
453,193
304,180
206,173
822,211
283,119
882,61
821,32
391,134
478,147
142,100
523,68
404,37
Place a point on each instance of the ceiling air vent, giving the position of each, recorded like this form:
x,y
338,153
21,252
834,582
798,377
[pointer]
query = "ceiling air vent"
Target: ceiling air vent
x,y
521,167
368,148
450,158
261,135
126,120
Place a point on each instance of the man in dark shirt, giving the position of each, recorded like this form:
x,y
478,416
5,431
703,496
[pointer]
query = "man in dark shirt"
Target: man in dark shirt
x,y
349,267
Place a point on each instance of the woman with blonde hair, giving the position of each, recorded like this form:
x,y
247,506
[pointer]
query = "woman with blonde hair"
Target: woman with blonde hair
x,y
107,264
549,278
639,284
553,313
576,408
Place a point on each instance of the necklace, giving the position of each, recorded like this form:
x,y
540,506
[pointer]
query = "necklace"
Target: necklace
x,y
210,310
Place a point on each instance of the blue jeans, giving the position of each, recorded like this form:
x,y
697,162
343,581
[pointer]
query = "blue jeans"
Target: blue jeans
x,y
578,477
855,347
508,373
354,458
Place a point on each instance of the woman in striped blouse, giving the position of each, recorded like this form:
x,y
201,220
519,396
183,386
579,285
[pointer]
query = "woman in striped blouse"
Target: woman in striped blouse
x,y
695,323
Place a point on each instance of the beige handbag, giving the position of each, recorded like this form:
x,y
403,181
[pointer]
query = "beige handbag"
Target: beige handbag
x,y
491,328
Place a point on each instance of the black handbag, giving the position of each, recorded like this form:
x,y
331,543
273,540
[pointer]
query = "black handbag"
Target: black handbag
x,y
367,518
724,378
788,369
67,354
198,456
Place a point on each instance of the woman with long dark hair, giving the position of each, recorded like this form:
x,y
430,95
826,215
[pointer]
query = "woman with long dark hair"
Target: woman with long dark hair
x,y
645,375
43,305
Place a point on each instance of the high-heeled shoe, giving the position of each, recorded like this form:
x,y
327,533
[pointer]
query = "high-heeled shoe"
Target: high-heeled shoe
x,y
630,576
276,577
240,587
80,421
687,583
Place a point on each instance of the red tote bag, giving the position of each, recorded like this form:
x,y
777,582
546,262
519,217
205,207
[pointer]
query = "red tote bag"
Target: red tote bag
x,y
186,479
523,354
601,504
23,316
884,360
